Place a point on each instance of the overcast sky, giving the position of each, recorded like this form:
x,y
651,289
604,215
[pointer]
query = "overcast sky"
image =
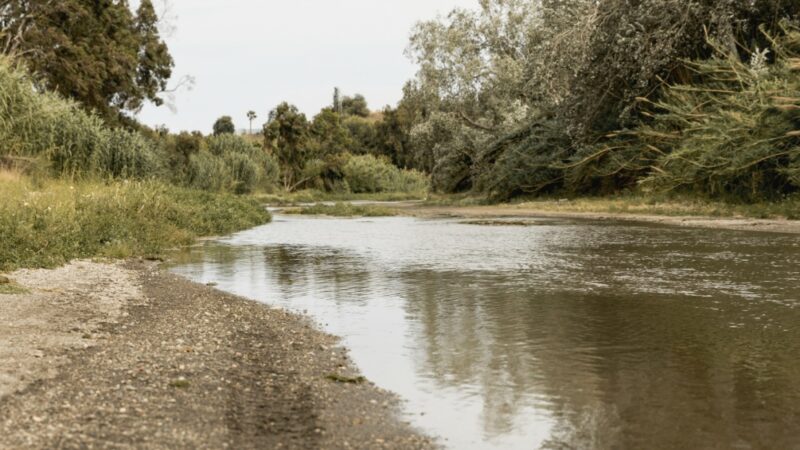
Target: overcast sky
x,y
254,54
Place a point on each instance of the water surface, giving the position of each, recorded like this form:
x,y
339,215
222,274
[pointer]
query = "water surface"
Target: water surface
x,y
561,334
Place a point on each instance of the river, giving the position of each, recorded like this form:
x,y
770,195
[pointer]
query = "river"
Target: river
x,y
552,333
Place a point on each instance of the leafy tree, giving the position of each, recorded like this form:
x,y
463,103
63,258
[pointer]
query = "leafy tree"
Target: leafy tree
x,y
527,96
224,125
355,106
286,135
329,134
97,52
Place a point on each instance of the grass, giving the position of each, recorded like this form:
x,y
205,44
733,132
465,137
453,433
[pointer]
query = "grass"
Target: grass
x,y
49,224
309,196
343,210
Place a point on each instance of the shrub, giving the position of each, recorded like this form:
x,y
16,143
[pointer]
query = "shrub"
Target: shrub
x,y
369,174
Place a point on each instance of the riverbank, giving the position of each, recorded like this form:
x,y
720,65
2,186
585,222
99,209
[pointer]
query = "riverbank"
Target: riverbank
x,y
48,222
125,355
674,215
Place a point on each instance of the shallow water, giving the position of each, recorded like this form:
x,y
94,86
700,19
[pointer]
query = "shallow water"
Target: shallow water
x,y
561,334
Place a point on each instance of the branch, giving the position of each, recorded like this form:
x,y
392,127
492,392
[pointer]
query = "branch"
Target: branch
x,y
474,124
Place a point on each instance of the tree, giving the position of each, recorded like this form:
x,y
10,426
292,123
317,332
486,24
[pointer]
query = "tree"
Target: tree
x,y
224,125
329,133
97,52
337,100
251,116
355,106
286,135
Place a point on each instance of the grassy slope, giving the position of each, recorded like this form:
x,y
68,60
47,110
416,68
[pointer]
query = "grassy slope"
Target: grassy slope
x,y
49,224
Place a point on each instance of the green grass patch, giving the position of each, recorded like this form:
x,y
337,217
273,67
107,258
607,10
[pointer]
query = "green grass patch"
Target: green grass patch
x,y
48,225
343,210
313,196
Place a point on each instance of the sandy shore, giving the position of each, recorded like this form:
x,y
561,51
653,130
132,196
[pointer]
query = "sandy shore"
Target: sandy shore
x,y
524,211
125,355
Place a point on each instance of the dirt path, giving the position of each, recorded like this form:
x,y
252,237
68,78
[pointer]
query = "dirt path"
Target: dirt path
x,y
127,356
482,212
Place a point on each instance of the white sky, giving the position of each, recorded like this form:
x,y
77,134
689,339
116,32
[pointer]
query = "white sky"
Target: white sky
x,y
251,54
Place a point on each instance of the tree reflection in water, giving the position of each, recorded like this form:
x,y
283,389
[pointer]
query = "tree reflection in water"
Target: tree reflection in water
x,y
586,336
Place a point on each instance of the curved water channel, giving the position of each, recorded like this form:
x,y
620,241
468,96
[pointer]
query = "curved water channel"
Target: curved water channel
x,y
558,334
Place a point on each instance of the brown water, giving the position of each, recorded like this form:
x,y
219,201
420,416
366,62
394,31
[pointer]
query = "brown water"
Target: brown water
x,y
563,334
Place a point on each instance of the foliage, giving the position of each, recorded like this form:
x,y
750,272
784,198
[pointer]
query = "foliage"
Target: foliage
x,y
231,163
286,135
179,149
98,53
343,209
127,154
224,125
74,143
578,96
734,132
367,173
49,225
355,106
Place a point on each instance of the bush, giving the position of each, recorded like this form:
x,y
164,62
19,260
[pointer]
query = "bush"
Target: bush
x,y
369,174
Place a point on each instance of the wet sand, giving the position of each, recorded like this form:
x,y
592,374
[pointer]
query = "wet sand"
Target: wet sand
x,y
524,211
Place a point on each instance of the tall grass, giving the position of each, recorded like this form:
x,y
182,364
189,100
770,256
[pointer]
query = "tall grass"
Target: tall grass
x,y
231,163
73,143
48,225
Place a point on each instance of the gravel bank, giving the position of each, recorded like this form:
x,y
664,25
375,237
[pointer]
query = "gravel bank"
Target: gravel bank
x,y
723,223
128,356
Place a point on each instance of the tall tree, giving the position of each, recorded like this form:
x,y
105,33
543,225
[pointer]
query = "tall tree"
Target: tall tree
x,y
337,100
97,52
251,116
286,135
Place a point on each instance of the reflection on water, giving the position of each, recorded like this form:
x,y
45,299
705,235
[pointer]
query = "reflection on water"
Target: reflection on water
x,y
562,335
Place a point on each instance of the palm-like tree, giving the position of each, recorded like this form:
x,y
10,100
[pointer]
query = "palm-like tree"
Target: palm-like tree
x,y
252,116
